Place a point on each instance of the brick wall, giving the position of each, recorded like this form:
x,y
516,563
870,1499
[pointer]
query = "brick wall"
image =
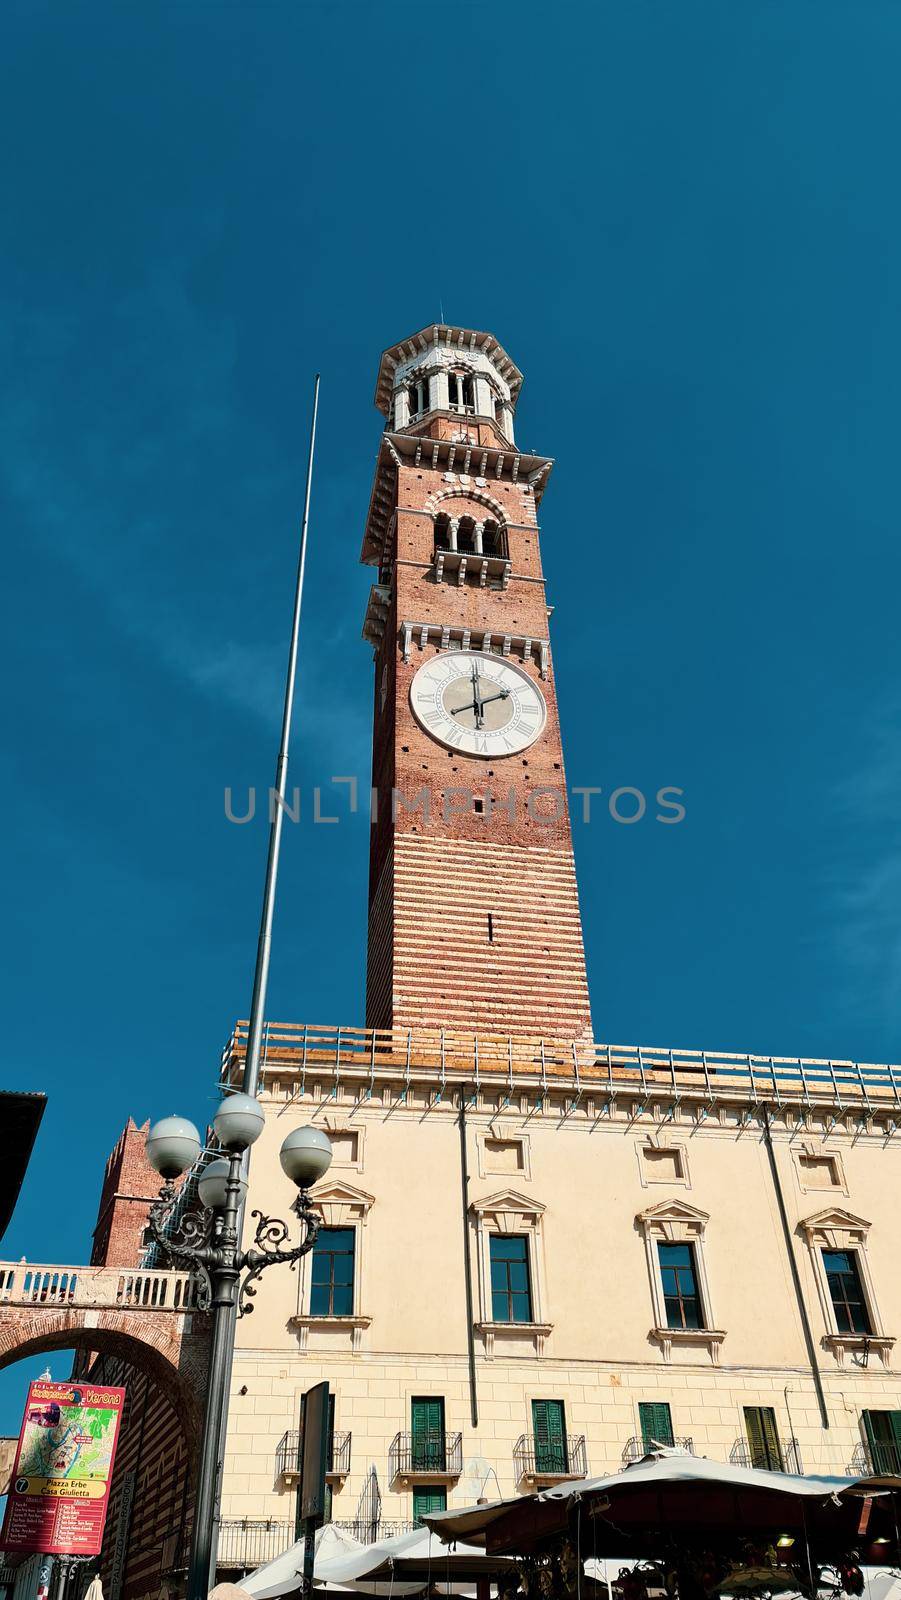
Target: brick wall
x,y
434,959
129,1186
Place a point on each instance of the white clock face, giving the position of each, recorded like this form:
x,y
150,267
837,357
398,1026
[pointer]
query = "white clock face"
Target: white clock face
x,y
477,703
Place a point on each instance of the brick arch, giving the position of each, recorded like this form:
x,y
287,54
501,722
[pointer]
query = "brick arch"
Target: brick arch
x,y
438,501
175,1365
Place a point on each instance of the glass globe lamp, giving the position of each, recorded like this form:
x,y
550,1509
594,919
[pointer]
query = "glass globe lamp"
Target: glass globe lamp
x,y
306,1155
173,1145
239,1121
212,1185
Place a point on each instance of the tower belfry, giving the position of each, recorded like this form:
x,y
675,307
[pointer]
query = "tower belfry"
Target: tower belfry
x,y
474,922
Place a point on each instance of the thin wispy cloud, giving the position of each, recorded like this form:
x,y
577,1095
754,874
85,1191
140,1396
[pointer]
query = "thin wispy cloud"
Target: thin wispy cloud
x,y
865,877
109,475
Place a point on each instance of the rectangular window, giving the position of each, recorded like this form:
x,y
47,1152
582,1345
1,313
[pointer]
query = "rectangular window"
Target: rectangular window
x,y
345,1147
428,1451
680,1285
504,1155
819,1172
656,1423
549,1434
883,1431
428,1499
511,1291
662,1165
846,1290
332,1273
763,1439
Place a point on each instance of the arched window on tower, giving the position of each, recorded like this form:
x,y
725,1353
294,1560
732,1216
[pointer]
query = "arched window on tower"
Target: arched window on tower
x,y
493,542
442,533
418,397
461,391
466,535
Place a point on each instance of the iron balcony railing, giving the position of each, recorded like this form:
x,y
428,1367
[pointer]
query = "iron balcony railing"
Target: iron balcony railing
x,y
636,1449
882,1457
287,1454
428,1454
565,1458
246,1542
776,1455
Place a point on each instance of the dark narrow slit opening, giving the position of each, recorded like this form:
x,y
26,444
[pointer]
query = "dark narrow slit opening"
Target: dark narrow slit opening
x,y
490,928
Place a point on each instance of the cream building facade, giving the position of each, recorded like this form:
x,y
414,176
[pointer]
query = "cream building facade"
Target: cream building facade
x,y
538,1253
590,1177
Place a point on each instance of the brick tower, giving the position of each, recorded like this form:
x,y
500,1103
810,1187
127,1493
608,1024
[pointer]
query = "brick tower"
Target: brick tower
x,y
474,921
130,1186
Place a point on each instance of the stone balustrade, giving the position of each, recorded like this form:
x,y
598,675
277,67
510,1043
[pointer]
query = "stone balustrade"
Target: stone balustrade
x,y
26,1283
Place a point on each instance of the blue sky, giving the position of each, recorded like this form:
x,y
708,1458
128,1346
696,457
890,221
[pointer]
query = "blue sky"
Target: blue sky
x,y
681,221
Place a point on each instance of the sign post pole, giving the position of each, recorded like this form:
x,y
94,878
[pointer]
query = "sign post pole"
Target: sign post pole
x,y
315,1431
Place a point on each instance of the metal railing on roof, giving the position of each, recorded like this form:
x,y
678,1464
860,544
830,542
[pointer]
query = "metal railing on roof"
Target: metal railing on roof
x,y
326,1056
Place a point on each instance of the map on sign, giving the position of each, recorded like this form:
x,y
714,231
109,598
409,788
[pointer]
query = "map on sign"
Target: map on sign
x,y
60,1484
71,1440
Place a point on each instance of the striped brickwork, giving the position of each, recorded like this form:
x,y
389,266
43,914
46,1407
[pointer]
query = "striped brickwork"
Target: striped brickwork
x,y
527,977
473,913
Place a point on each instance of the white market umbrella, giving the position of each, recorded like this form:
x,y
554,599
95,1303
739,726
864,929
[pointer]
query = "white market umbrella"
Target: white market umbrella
x,y
417,1558
692,1483
284,1575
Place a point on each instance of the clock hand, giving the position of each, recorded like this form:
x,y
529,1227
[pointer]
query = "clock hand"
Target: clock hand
x,y
478,705
477,699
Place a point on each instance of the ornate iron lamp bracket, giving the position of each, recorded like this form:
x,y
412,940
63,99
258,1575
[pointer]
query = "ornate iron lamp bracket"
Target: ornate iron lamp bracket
x,y
201,1243
271,1234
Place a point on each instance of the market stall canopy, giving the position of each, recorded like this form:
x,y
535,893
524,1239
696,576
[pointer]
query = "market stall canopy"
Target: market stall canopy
x,y
284,1575
418,1556
677,1493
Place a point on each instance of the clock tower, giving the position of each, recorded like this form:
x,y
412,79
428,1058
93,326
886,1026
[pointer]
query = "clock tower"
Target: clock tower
x,y
474,922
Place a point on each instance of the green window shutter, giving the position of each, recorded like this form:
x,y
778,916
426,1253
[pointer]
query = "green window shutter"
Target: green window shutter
x,y
427,1500
549,1432
656,1423
427,1448
763,1438
883,1431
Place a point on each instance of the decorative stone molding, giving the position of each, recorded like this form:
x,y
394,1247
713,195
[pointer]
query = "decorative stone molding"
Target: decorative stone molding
x,y
810,1151
674,1176
378,606
342,1206
838,1229
459,638
303,1322
676,1222
490,1159
509,1211
536,1332
348,1145
459,563
462,491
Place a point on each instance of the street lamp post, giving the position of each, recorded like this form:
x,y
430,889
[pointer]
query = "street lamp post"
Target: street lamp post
x,y
207,1245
